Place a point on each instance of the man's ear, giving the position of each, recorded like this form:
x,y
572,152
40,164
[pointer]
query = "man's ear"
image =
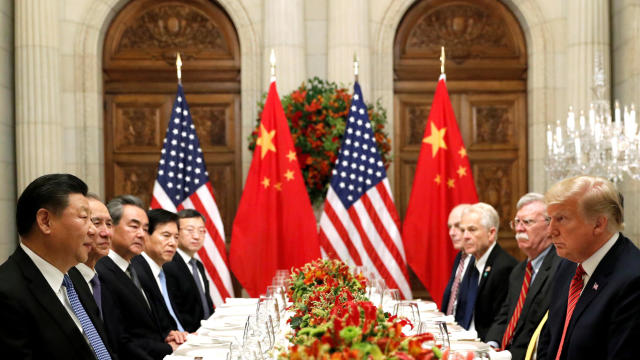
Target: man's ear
x,y
493,234
600,225
44,221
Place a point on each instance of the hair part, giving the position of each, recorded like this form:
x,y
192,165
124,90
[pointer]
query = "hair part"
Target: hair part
x,y
49,192
190,213
159,217
529,198
595,197
488,215
116,205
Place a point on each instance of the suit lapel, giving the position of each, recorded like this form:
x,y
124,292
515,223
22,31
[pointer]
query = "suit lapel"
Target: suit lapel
x,y
486,272
43,293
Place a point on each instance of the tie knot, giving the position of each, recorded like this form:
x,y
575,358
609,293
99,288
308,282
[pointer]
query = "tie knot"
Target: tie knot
x,y
530,266
464,256
161,275
580,272
192,261
94,280
66,281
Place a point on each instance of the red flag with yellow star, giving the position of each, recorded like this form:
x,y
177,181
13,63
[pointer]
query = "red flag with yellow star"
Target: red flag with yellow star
x,y
443,180
275,227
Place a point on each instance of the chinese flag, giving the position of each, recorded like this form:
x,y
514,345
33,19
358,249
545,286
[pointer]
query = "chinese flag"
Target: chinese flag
x,y
443,180
275,227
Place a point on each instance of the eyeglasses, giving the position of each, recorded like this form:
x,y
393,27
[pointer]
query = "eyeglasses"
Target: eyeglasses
x,y
192,230
527,223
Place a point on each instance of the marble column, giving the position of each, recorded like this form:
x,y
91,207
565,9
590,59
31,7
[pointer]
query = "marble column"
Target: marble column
x,y
587,35
349,35
284,33
37,89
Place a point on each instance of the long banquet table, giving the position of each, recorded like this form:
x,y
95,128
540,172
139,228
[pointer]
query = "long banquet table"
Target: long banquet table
x,y
223,333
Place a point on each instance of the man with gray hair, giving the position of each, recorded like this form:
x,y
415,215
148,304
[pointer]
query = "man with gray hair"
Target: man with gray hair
x,y
530,281
595,307
460,264
483,291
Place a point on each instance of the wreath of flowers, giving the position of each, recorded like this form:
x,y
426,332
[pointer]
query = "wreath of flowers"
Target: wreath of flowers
x,y
317,113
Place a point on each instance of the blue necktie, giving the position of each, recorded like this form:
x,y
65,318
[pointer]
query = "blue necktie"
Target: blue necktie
x,y
97,292
165,296
87,326
203,299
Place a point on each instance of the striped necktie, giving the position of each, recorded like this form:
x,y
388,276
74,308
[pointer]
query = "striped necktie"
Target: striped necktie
x,y
574,294
456,284
508,334
196,278
87,326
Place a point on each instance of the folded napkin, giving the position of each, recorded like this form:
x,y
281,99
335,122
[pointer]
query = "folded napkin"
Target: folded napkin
x,y
239,301
499,355
463,335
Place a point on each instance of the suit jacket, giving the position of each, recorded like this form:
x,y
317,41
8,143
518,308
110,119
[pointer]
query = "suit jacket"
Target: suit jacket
x,y
447,291
143,337
150,286
184,292
535,306
491,292
606,319
35,325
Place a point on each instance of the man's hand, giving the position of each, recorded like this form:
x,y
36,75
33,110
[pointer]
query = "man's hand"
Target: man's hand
x,y
179,337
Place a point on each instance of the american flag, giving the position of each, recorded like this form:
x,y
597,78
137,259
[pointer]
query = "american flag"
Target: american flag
x,y
359,224
183,183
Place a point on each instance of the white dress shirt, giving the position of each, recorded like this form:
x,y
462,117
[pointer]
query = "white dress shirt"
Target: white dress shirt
x,y
155,269
119,260
188,258
87,273
592,262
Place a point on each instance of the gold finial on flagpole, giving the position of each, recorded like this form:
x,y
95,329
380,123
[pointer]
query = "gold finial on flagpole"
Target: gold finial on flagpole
x,y
179,67
442,59
272,61
356,66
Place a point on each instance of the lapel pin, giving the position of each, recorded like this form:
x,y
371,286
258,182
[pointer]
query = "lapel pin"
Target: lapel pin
x,y
486,271
595,286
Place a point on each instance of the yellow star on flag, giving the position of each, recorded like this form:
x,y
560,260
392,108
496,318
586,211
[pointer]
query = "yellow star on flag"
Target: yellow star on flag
x,y
437,179
289,175
265,141
462,152
436,139
265,182
278,186
451,183
462,171
291,155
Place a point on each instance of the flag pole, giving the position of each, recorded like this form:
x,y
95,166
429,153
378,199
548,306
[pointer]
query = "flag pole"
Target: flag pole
x,y
272,61
356,66
442,60
179,67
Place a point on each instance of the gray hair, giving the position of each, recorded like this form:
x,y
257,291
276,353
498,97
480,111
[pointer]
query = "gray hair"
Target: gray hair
x,y
529,198
488,215
116,204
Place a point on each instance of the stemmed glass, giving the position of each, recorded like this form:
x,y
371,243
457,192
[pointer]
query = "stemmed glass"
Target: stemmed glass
x,y
277,294
439,331
408,310
389,298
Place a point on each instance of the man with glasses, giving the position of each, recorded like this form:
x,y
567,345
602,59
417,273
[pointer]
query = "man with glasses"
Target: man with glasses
x,y
186,279
529,283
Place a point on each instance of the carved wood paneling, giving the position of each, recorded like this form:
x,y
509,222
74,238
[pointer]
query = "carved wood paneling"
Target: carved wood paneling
x,y
135,179
222,178
486,78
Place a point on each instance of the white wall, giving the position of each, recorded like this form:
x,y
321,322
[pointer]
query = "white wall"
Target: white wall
x,y
8,240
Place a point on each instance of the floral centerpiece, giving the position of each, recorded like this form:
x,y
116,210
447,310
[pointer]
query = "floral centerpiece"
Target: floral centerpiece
x,y
317,113
334,320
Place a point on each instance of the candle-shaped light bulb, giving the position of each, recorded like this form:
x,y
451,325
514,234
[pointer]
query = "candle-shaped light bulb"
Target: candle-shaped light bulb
x,y
571,121
578,151
558,133
592,117
549,138
617,112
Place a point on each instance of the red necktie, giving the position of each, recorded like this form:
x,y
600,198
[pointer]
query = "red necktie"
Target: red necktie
x,y
456,284
574,294
508,334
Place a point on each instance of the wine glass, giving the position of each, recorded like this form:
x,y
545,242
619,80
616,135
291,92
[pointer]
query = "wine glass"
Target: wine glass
x,y
389,298
276,293
408,310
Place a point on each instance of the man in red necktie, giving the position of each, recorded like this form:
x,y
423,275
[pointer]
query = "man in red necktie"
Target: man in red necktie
x,y
595,307
530,281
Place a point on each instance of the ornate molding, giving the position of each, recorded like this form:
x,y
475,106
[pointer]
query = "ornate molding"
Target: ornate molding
x,y
418,116
136,127
493,125
495,187
211,125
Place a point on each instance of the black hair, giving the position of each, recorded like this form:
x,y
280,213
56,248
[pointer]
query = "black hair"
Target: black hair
x,y
190,213
50,192
159,217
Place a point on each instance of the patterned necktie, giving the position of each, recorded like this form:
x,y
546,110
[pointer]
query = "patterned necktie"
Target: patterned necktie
x,y
87,326
97,291
456,285
165,296
131,272
508,334
574,294
194,272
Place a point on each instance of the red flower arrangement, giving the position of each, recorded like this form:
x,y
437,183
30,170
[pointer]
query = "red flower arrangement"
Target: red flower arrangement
x,y
317,113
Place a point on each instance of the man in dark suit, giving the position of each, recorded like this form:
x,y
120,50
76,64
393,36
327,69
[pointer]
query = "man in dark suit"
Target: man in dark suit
x,y
595,307
42,315
160,247
530,281
460,263
186,279
119,278
483,291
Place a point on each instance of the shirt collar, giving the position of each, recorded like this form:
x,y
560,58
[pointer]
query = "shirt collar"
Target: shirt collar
x,y
483,259
119,260
51,274
537,262
185,256
87,272
592,262
155,268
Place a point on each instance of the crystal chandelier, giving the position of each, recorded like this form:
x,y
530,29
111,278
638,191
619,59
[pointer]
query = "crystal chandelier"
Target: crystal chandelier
x,y
595,143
